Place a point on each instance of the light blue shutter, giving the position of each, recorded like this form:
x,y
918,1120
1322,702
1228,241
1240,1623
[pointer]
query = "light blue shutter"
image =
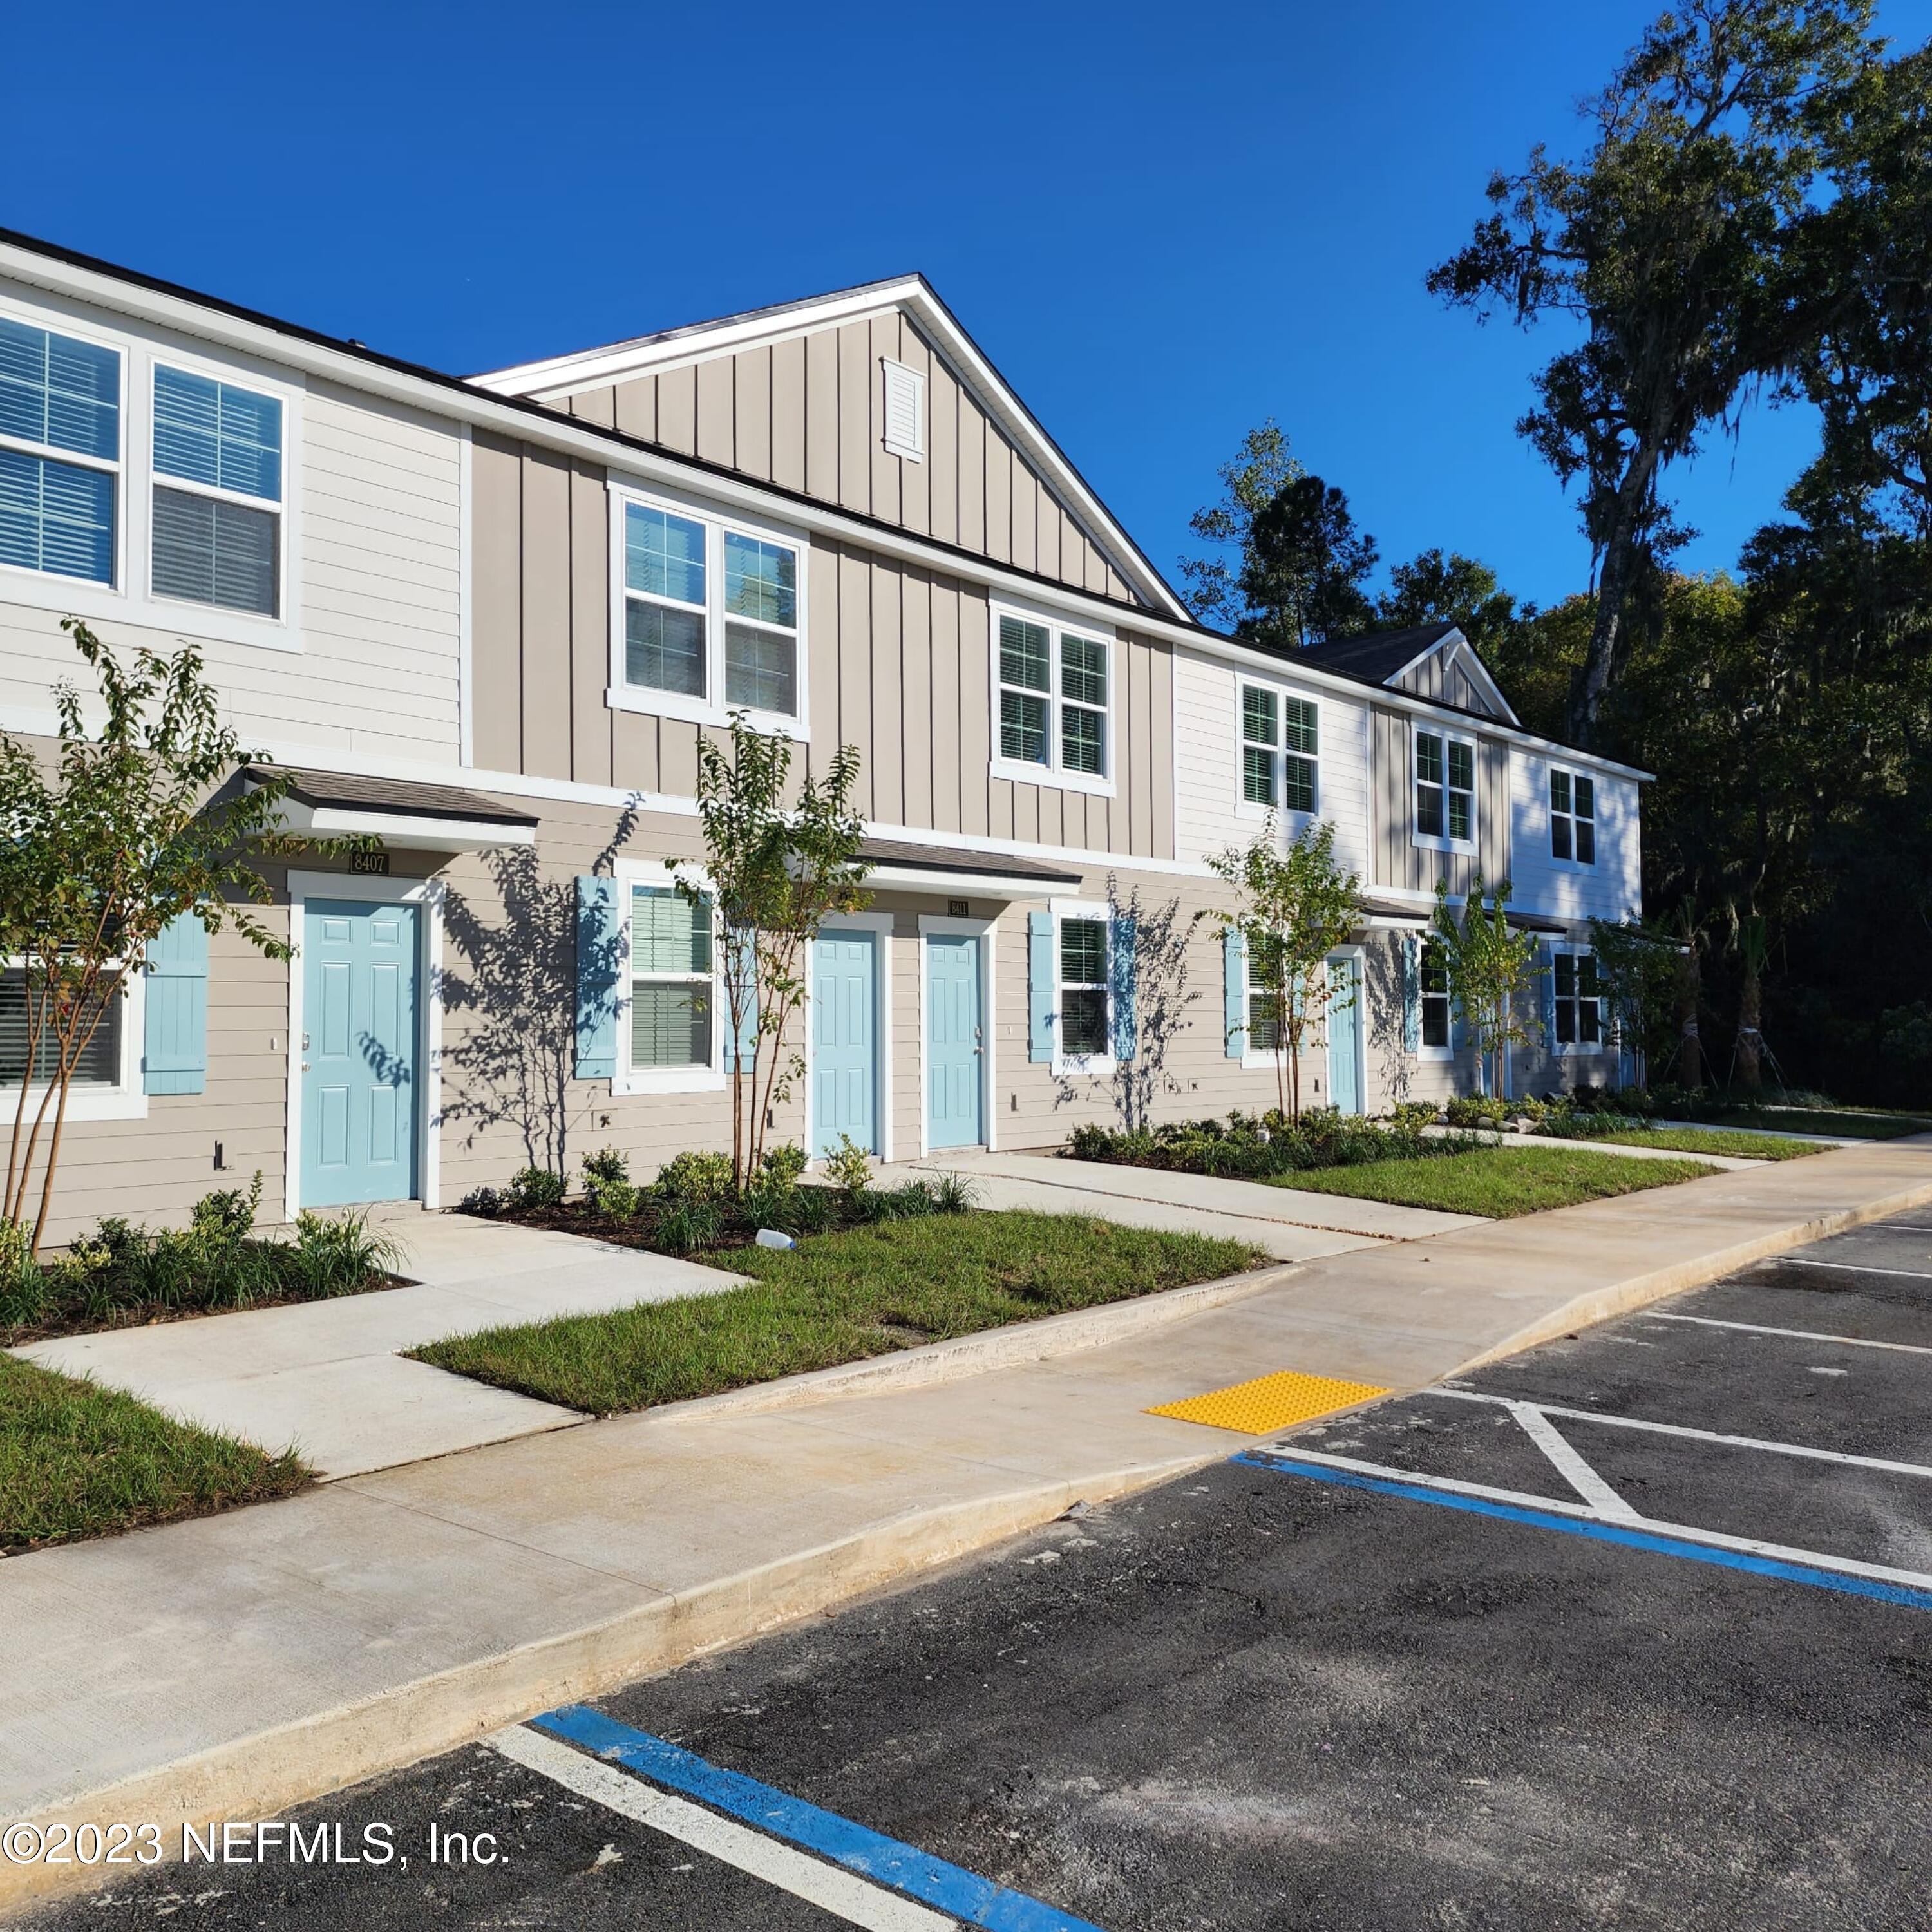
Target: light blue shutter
x,y
741,946
1040,986
1235,989
600,948
1545,966
1123,973
174,1052
1411,993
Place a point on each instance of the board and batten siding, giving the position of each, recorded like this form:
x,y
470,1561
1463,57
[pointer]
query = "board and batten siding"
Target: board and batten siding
x,y
898,664
1441,676
807,413
378,562
1612,888
1399,861
1209,816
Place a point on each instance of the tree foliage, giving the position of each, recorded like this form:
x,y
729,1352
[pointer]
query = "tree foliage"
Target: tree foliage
x,y
1454,590
133,824
1293,906
1490,964
779,861
1663,245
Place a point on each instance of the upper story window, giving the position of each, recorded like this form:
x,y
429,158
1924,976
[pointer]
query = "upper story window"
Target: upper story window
x,y
671,981
1445,788
1056,704
217,525
1083,988
711,618
60,453
1280,744
1572,816
1579,999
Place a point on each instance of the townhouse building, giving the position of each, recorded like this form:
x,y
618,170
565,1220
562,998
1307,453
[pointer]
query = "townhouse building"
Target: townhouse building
x,y
488,620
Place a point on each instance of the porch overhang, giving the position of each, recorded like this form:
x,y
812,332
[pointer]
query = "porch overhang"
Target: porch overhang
x,y
1391,916
410,817
899,866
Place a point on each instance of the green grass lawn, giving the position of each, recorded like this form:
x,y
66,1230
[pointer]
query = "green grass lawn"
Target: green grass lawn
x,y
1711,1140
1849,1122
838,1297
1499,1181
78,1460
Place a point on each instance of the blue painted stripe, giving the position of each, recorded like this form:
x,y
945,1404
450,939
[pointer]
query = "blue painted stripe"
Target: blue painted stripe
x,y
886,1861
1600,1532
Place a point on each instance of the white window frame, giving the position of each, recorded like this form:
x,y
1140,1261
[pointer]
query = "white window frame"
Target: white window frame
x,y
711,708
1065,1063
130,598
1572,816
1053,773
234,379
629,1079
1254,1059
1423,1051
1283,695
125,1098
1430,841
1579,1048
14,574
891,372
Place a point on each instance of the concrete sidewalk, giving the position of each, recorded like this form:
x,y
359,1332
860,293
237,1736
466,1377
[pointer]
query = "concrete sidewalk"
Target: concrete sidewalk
x,y
231,1666
326,1377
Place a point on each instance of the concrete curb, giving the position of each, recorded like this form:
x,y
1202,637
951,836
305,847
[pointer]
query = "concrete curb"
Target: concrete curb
x,y
1622,1297
1005,1348
268,1774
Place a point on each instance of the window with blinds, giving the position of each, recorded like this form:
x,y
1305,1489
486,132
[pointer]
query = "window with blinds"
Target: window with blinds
x,y
217,525
60,453
671,982
99,1065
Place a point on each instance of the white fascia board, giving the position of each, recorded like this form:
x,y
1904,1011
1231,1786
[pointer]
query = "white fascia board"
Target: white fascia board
x,y
961,885
465,403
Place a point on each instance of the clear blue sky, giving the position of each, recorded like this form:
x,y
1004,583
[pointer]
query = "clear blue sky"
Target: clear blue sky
x,y
1162,223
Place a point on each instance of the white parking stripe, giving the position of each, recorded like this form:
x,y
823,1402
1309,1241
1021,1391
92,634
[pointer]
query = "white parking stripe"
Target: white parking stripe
x,y
1795,1334
1851,1268
1575,1472
1696,1435
825,1886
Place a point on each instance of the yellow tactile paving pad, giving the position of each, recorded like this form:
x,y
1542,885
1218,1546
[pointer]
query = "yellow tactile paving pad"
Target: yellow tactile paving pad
x,y
1269,1402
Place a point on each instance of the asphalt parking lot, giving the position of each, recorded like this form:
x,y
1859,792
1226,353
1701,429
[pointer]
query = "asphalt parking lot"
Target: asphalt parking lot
x,y
1487,1656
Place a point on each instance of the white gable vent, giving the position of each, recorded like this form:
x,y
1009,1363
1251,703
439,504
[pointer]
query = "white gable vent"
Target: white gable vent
x,y
905,411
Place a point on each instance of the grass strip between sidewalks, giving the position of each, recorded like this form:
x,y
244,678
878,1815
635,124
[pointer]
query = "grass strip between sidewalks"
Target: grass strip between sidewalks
x,y
78,1460
1711,1140
835,1298
1497,1182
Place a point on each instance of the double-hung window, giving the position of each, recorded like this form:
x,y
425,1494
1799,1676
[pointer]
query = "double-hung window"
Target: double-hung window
x,y
218,496
1445,788
1055,703
1280,745
60,453
1572,816
672,998
1083,988
710,616
1435,996
1579,999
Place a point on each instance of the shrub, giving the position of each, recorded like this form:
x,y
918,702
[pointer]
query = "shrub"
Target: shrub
x,y
779,1167
223,1219
617,1199
1477,1110
1243,1148
849,1167
697,1179
606,1164
685,1225
331,1256
1408,1117
534,1188
485,1201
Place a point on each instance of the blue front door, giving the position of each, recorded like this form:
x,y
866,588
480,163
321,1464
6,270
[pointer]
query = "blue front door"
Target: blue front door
x,y
1345,1034
359,1097
953,1042
845,1040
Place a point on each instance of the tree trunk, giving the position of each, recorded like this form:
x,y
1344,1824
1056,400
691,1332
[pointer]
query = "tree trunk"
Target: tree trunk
x,y
1603,663
1750,1069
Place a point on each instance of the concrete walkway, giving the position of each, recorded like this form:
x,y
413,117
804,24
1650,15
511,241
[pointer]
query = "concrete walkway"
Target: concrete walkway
x,y
326,1377
230,1666
1290,1223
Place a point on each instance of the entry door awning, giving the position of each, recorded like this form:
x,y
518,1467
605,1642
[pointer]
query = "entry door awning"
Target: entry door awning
x,y
899,866
414,818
